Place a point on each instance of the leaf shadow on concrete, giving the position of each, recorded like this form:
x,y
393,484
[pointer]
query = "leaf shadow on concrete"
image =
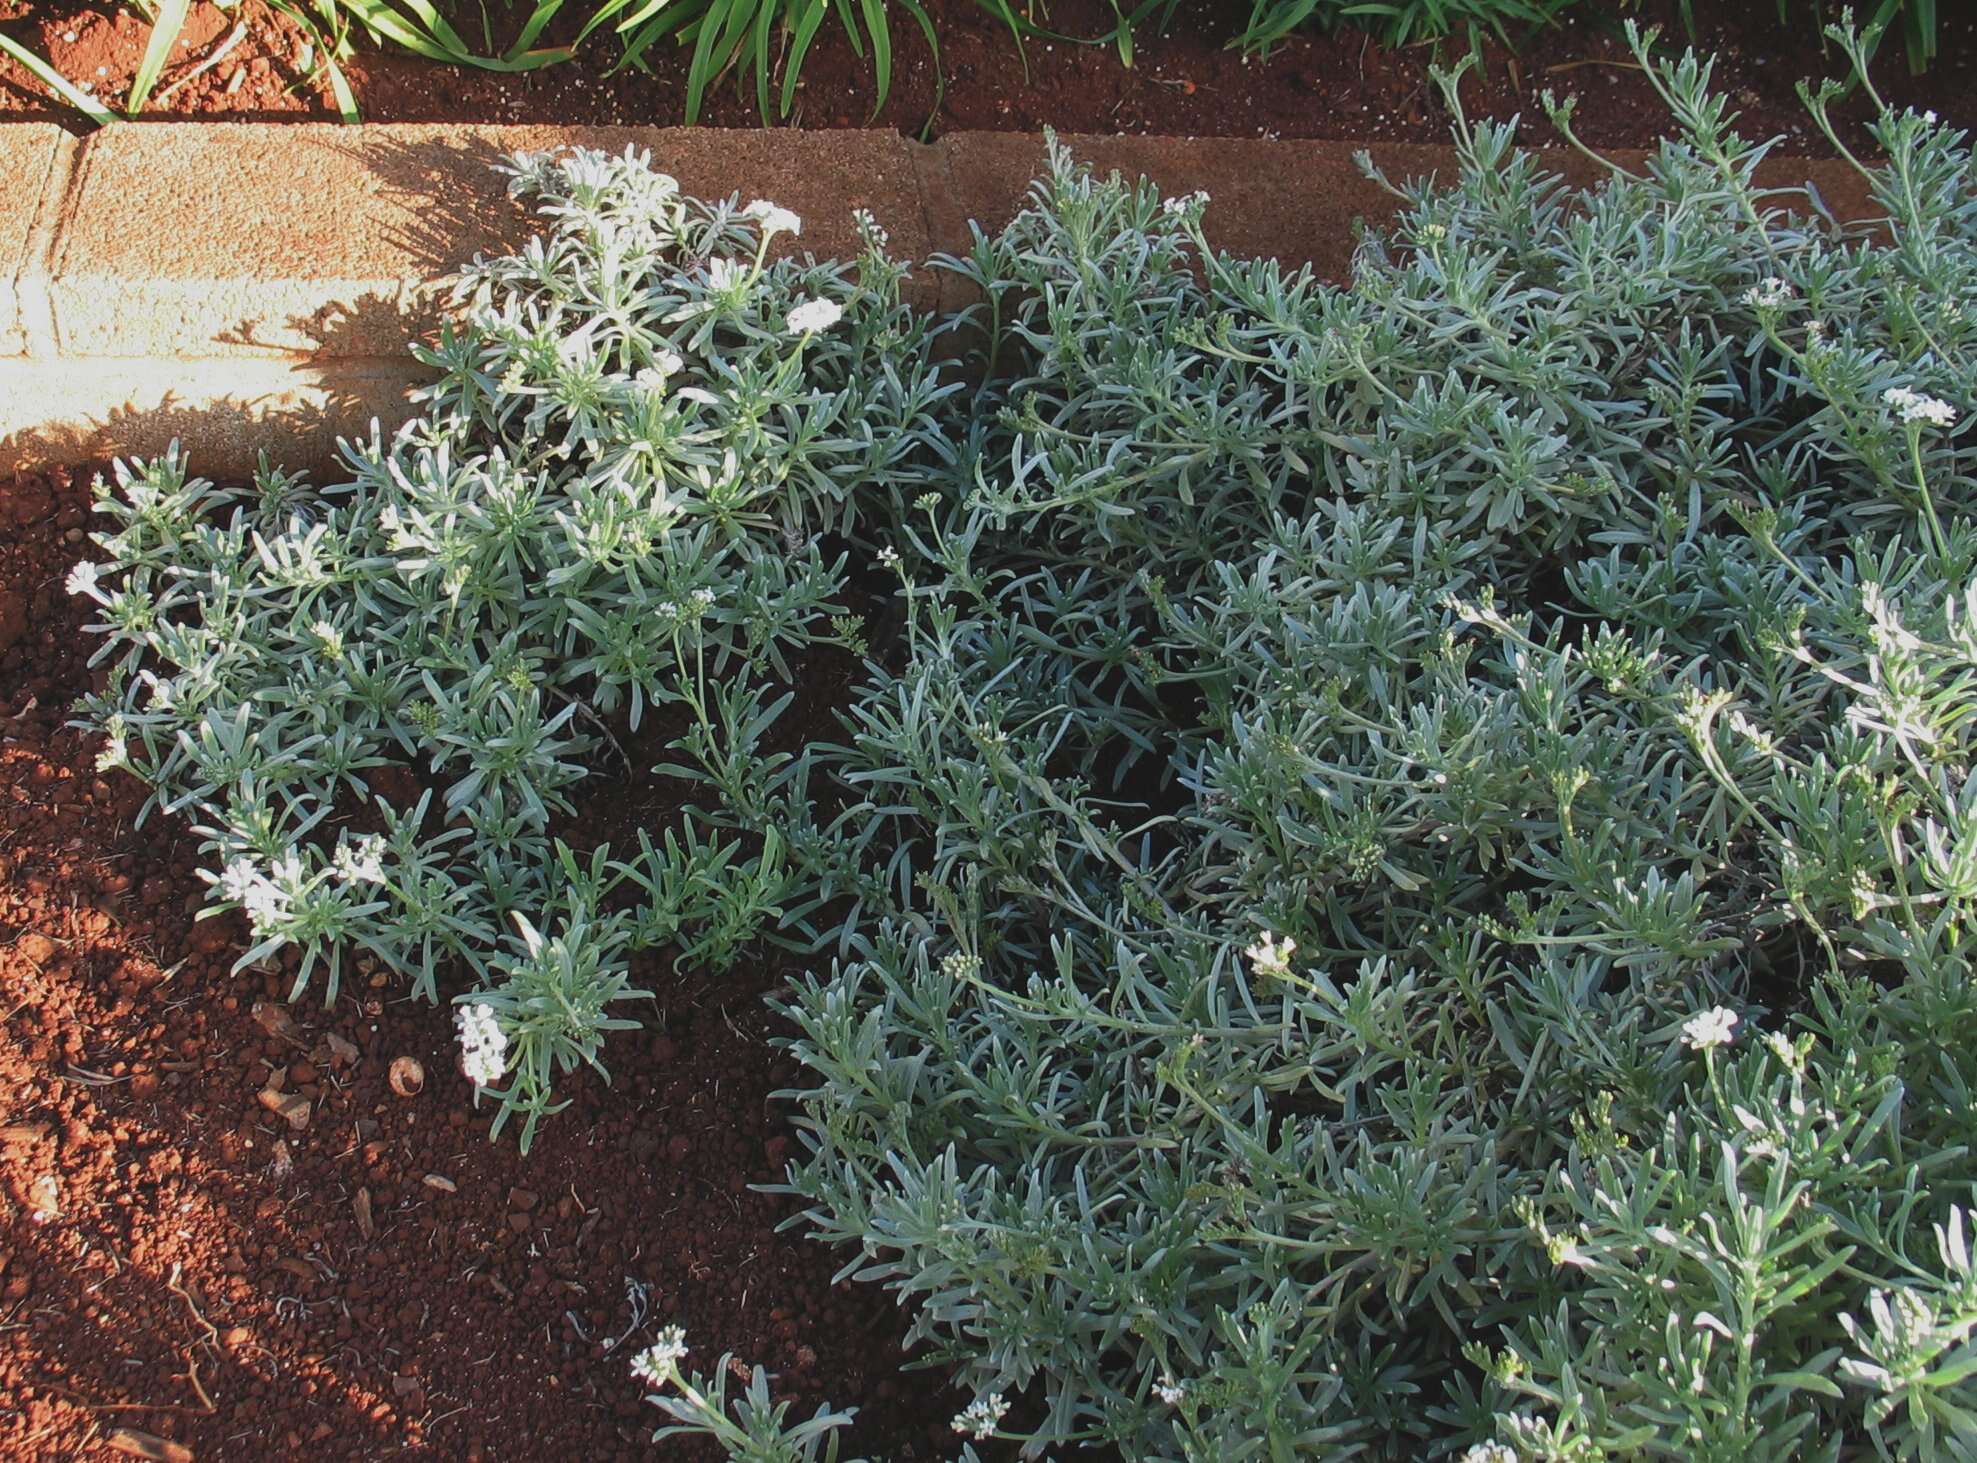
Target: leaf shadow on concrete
x,y
293,389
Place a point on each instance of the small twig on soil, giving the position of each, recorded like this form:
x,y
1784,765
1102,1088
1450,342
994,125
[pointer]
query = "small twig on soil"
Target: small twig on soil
x,y
192,1376
172,1284
583,707
87,1406
91,1079
1593,61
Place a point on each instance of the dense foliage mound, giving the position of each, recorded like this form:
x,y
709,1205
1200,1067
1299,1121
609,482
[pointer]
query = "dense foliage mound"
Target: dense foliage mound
x,y
1399,878
615,504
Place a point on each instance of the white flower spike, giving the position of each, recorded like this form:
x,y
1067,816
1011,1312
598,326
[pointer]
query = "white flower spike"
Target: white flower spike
x,y
483,1044
657,1364
1773,293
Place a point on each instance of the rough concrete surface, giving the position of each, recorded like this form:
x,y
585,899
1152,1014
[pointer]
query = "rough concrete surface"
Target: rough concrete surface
x,y
250,285
314,239
32,155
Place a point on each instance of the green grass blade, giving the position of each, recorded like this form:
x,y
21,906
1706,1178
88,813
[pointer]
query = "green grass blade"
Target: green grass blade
x,y
544,12
765,18
849,18
165,31
329,43
387,25
602,15
436,25
1921,34
926,24
346,99
802,32
442,44
81,100
637,18
875,24
656,20
705,64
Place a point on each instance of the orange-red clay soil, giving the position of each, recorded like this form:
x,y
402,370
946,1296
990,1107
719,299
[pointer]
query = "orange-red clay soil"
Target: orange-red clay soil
x,y
178,1261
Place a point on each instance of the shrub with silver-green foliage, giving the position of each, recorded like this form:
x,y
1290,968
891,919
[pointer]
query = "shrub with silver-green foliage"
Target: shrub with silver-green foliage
x,y
616,501
1400,877
1414,863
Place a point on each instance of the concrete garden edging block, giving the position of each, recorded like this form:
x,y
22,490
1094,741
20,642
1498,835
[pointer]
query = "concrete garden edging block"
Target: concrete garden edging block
x,y
34,159
250,287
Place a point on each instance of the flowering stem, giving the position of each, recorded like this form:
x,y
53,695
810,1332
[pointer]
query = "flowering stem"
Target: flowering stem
x,y
1928,503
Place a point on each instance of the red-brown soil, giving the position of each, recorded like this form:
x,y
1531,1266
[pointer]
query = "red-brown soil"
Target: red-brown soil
x,y
176,1260
1186,82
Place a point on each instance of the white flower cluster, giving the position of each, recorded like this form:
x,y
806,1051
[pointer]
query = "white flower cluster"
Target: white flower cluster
x,y
1490,1453
981,1417
361,862
652,380
814,315
1168,1390
658,1362
957,965
774,220
1714,1027
685,611
1913,406
1769,295
1271,956
268,898
483,1044
1187,203
164,690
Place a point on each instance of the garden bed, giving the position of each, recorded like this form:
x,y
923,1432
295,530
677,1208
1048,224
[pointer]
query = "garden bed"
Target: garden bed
x,y
177,1259
1373,868
1186,82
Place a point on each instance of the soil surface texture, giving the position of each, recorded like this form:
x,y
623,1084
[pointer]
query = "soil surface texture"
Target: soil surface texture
x,y
1183,83
225,1232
